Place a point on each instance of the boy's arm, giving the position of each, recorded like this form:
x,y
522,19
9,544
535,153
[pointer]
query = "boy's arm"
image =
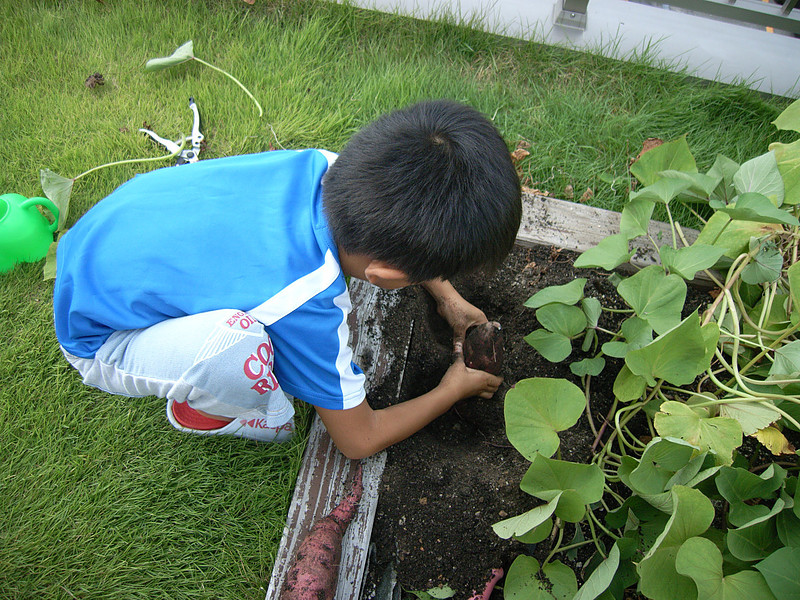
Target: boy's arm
x,y
459,313
361,431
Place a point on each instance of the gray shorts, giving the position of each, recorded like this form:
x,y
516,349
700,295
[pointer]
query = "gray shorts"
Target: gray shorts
x,y
219,361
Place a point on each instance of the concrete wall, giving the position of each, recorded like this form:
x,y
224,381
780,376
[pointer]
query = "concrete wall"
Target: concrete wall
x,y
706,47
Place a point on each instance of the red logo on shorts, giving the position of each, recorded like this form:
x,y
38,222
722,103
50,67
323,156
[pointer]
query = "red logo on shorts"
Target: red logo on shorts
x,y
258,367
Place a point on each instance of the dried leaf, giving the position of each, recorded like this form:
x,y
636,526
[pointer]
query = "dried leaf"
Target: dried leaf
x,y
774,441
92,81
587,195
518,154
569,192
648,144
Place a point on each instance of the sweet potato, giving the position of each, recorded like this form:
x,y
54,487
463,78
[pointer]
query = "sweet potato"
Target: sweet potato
x,y
315,568
483,347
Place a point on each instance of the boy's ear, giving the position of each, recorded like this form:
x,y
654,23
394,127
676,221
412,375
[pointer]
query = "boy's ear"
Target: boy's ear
x,y
385,276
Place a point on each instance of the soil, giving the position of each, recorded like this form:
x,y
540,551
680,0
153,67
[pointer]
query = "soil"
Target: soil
x,y
445,486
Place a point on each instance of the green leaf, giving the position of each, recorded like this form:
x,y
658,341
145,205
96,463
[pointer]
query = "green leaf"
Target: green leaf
x,y
754,542
686,262
656,297
752,416
577,484
787,362
724,169
780,569
637,334
49,269
537,408
738,486
766,265
440,592
699,184
701,560
569,321
569,293
789,119
592,309
600,578
181,55
628,386
610,253
663,190
635,218
752,206
719,435
673,155
793,275
733,236
760,175
788,526
527,521
659,580
588,366
661,459
553,346
58,189
677,356
788,159
523,583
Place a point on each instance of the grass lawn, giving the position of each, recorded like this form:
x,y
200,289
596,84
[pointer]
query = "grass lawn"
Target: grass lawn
x,y
99,497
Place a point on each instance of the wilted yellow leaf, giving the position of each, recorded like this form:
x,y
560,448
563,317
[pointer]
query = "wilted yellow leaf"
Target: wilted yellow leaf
x,y
774,441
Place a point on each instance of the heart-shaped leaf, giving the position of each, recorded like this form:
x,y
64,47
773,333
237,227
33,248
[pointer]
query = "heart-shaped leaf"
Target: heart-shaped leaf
x,y
610,253
656,297
578,485
686,262
526,522
659,579
601,577
536,408
673,155
788,158
553,346
58,189
719,435
760,175
756,207
677,356
780,569
569,293
701,560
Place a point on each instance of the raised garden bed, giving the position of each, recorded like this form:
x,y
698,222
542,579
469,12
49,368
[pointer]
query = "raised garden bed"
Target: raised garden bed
x,y
430,501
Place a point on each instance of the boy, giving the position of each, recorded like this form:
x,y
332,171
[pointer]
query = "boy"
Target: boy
x,y
220,285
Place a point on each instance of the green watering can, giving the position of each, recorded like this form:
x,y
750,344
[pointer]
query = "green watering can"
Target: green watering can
x,y
25,234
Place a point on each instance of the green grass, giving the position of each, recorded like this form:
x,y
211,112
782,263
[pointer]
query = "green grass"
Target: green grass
x,y
99,497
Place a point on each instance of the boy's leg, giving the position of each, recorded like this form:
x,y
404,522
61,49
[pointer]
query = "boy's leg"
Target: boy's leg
x,y
218,362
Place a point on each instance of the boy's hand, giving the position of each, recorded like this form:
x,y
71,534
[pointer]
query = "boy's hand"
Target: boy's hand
x,y
462,382
460,314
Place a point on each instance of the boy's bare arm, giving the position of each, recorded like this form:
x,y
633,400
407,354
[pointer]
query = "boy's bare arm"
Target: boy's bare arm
x,y
361,431
459,313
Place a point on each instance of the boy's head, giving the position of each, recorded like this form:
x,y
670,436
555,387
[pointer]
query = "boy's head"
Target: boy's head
x,y
429,189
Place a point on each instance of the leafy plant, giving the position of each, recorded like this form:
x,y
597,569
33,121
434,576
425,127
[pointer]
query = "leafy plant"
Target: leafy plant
x,y
185,53
679,513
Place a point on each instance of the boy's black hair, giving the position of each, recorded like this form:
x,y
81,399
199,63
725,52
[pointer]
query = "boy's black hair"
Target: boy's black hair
x,y
429,189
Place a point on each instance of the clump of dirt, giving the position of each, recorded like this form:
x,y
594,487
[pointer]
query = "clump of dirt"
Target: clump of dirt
x,y
445,486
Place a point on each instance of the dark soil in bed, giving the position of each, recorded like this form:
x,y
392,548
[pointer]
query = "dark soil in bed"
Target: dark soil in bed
x,y
444,487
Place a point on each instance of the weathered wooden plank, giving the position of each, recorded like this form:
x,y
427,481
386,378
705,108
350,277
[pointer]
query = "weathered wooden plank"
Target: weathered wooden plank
x,y
326,474
577,227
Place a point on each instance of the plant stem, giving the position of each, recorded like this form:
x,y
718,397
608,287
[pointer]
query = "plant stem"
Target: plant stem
x,y
131,160
239,83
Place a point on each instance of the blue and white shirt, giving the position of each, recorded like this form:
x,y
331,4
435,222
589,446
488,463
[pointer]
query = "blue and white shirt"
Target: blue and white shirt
x,y
244,232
